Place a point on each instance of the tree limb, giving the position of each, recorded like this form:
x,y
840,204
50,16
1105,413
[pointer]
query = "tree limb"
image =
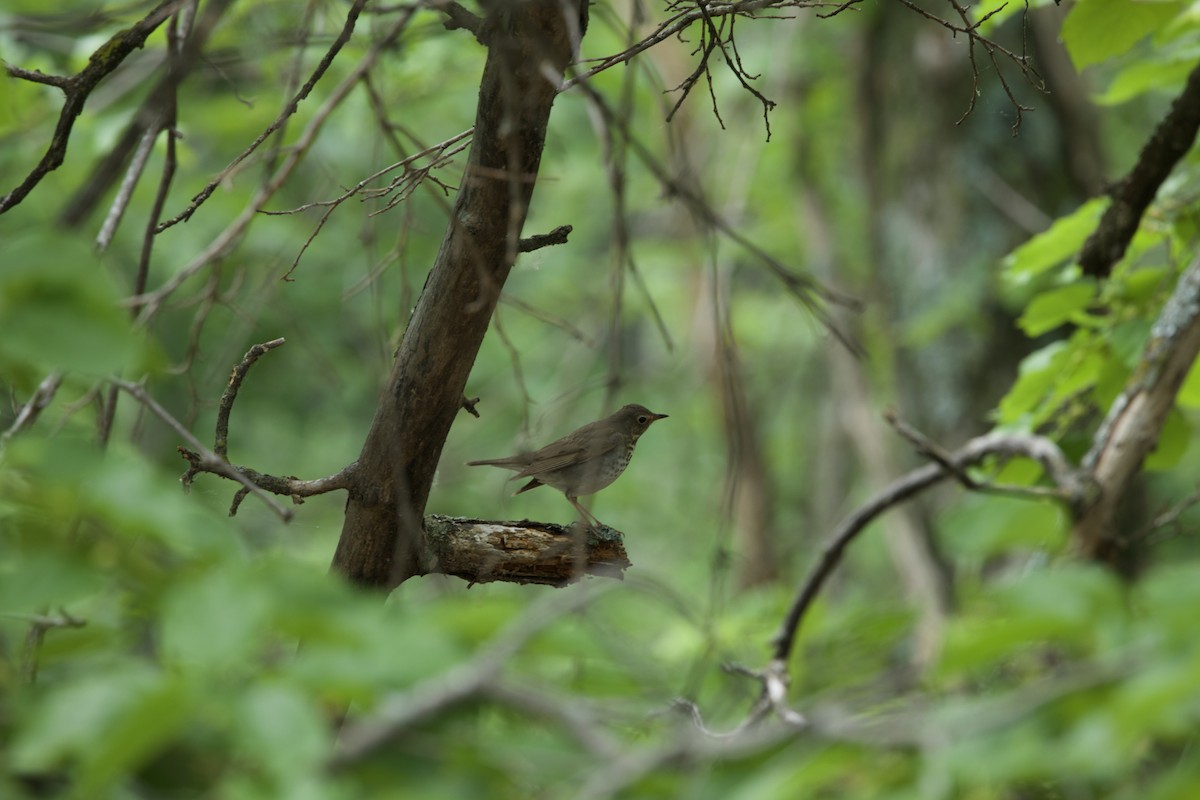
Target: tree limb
x,y
77,88
1072,489
1131,430
1170,142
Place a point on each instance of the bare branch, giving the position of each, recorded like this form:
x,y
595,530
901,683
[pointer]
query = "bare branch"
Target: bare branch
x,y
458,17
210,461
288,110
810,293
1072,489
536,242
77,88
225,241
482,551
221,442
33,407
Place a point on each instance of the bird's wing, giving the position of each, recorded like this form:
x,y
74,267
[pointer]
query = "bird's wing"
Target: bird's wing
x,y
542,462
566,453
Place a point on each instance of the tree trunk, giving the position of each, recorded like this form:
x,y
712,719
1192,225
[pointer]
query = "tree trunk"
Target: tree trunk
x,y
530,43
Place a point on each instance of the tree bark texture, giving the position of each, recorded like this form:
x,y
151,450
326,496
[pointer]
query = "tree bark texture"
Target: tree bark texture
x,y
529,46
481,551
1135,421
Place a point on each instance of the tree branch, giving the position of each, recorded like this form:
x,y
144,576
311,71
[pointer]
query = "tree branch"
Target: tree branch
x,y
482,551
288,110
382,541
32,408
1134,422
1072,490
1170,142
77,88
207,459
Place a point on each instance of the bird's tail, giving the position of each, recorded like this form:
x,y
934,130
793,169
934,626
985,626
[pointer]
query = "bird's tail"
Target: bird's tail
x,y
495,462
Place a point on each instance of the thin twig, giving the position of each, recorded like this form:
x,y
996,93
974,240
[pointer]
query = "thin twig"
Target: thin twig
x,y
225,241
33,407
288,110
1071,490
221,441
211,461
103,62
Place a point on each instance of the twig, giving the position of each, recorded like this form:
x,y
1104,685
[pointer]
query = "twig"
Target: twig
x,y
458,17
810,293
1072,490
103,62
288,110
537,241
33,407
224,241
208,460
221,441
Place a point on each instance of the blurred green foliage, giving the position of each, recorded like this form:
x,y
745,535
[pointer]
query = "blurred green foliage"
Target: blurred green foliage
x,y
152,646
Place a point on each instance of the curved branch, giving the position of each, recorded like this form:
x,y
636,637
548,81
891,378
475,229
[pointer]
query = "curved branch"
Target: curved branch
x,y
1071,490
221,440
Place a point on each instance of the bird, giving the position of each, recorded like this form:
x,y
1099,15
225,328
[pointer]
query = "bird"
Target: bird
x,y
584,461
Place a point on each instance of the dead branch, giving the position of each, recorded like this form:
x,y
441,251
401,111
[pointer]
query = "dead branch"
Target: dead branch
x,y
221,442
482,551
538,241
231,235
209,460
807,290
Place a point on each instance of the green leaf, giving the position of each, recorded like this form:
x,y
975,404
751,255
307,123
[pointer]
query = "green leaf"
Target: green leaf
x,y
281,730
1036,376
1056,307
217,619
108,723
59,310
1055,245
1097,30
1142,76
1003,524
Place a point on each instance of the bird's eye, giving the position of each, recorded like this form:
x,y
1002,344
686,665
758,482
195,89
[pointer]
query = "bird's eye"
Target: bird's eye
x,y
642,419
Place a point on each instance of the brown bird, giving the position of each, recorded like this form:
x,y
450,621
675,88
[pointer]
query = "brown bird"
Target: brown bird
x,y
584,461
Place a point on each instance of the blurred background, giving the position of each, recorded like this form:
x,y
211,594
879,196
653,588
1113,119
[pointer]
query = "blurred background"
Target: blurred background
x,y
960,651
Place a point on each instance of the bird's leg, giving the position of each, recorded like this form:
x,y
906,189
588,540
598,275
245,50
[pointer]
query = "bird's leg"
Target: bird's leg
x,y
588,516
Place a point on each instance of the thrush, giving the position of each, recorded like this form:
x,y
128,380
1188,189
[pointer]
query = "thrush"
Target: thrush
x,y
584,461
